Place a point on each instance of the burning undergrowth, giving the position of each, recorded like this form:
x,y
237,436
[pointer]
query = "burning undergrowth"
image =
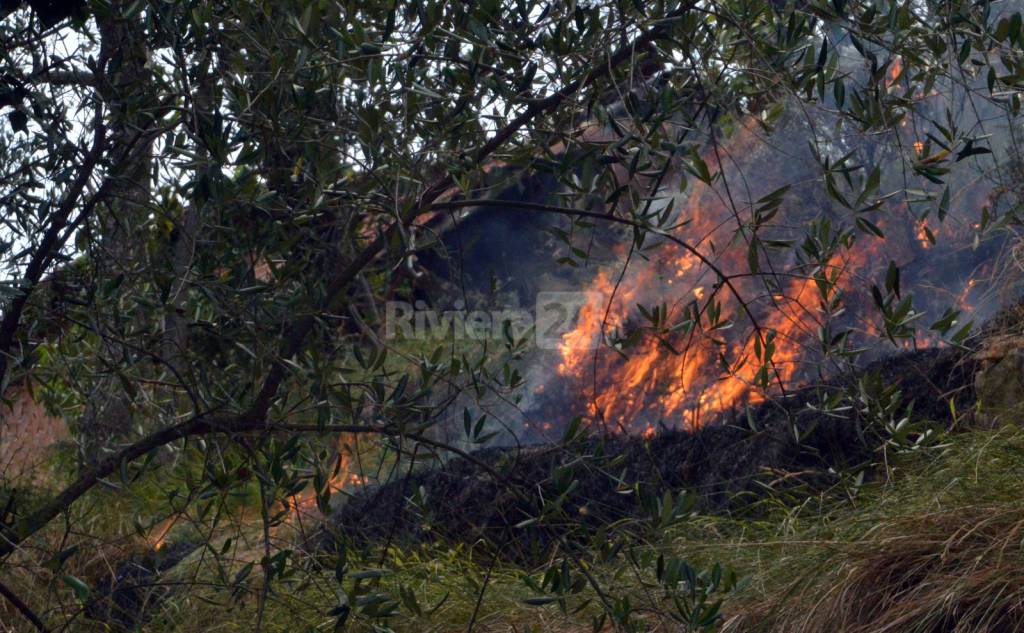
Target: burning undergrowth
x,y
775,448
772,255
755,327
740,304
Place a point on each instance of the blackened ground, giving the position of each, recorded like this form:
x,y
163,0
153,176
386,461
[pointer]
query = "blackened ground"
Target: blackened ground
x,y
128,598
727,465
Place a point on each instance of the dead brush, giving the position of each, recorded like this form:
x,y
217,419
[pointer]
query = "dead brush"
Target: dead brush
x,y
957,570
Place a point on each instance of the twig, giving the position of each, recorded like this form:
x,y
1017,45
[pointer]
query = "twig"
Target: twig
x,y
22,608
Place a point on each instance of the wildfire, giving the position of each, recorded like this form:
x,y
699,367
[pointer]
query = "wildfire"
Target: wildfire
x,y
344,476
688,374
660,358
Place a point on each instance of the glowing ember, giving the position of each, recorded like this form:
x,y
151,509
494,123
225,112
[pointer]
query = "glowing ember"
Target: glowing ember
x,y
158,534
925,236
895,70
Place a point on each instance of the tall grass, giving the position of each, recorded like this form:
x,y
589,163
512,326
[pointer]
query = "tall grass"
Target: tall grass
x,y
940,549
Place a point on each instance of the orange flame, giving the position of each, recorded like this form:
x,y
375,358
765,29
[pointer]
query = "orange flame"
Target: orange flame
x,y
158,534
674,366
895,70
304,503
924,234
689,383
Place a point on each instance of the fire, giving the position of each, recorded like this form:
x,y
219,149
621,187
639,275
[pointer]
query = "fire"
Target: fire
x,y
965,293
684,376
158,534
643,351
924,234
895,70
344,476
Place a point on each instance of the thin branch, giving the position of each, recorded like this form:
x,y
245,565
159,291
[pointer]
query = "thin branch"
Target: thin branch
x,y
22,608
60,231
198,426
65,77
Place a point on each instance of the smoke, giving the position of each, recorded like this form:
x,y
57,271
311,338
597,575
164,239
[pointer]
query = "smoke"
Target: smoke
x,y
814,244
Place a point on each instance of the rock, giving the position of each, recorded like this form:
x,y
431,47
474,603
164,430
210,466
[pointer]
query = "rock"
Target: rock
x,y
999,382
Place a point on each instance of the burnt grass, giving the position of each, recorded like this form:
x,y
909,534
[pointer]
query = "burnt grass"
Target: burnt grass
x,y
129,597
729,466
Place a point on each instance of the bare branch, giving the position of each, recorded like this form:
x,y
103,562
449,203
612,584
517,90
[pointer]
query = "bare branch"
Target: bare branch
x,y
66,78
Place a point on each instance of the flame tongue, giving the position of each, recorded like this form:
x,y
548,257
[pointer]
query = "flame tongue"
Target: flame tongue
x,y
687,376
345,476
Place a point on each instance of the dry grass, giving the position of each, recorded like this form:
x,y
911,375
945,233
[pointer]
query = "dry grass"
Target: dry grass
x,y
941,550
957,570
